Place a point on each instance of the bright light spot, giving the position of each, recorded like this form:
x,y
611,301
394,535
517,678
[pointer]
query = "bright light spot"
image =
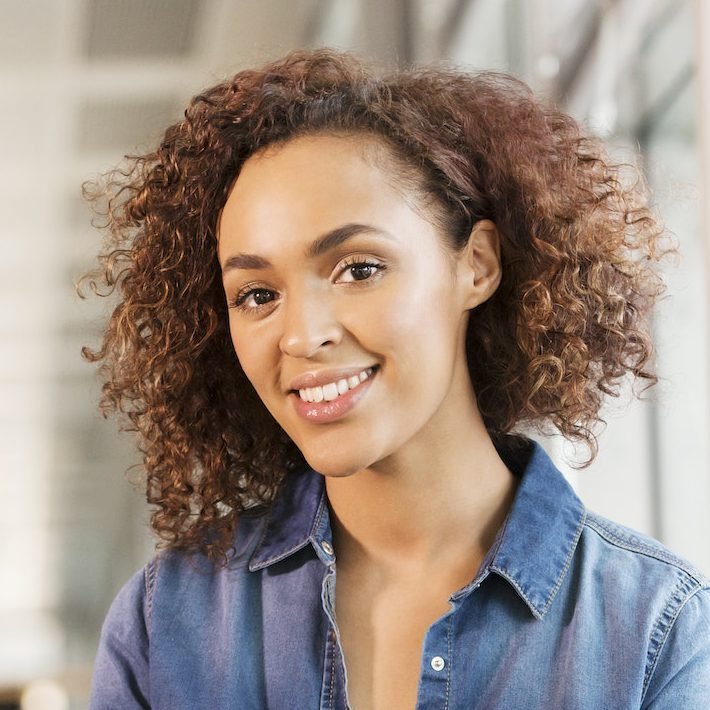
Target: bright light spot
x,y
548,66
603,117
44,695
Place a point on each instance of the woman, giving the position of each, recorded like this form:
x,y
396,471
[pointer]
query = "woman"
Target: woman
x,y
341,294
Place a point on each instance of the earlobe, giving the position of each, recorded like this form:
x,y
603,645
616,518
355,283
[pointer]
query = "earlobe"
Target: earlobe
x,y
481,263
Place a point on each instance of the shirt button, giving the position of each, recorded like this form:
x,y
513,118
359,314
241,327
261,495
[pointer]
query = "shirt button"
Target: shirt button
x,y
438,663
327,548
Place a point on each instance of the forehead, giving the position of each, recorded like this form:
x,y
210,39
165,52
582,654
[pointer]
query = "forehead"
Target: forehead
x,y
314,180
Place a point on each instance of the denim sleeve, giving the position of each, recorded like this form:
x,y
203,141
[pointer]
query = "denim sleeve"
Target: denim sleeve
x,y
681,677
121,677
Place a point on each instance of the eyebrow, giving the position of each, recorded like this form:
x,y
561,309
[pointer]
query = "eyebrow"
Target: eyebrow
x,y
321,245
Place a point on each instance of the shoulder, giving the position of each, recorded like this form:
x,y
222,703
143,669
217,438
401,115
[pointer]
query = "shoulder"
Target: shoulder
x,y
172,598
648,589
179,577
638,558
173,578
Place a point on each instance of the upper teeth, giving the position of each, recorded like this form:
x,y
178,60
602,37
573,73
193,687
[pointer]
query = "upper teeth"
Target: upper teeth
x,y
333,389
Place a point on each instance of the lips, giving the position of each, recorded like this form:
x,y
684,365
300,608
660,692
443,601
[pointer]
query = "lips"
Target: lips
x,y
324,412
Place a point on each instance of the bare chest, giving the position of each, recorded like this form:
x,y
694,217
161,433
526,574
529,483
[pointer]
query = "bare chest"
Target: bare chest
x,y
382,633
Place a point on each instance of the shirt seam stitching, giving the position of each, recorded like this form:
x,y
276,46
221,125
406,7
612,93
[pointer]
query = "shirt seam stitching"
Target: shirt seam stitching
x,y
281,555
568,560
149,581
682,593
294,548
333,653
450,661
319,514
643,548
541,611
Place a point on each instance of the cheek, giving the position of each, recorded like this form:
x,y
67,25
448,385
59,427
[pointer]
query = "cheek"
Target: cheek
x,y
249,353
418,314
412,330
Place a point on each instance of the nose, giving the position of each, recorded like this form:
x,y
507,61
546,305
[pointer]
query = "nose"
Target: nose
x,y
309,323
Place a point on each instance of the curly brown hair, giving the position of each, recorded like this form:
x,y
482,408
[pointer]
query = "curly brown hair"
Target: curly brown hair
x,y
567,324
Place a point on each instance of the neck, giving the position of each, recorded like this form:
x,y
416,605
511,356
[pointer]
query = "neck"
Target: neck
x,y
437,500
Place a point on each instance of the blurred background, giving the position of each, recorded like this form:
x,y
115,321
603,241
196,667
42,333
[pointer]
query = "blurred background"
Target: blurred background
x,y
82,82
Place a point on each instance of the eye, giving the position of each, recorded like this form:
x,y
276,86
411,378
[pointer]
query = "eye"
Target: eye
x,y
252,299
359,269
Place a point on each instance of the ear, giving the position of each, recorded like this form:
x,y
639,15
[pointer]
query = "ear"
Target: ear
x,y
479,264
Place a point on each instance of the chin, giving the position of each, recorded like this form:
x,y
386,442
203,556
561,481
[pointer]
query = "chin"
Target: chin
x,y
335,466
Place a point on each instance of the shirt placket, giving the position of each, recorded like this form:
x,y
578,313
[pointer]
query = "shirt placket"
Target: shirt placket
x,y
334,688
437,662
435,672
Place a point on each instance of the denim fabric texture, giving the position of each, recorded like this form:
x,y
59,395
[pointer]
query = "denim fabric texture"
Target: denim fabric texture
x,y
568,610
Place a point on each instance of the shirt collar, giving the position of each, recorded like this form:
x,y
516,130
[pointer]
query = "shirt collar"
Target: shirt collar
x,y
532,551
298,516
534,547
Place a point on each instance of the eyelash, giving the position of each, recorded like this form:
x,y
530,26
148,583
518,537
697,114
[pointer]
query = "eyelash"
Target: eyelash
x,y
241,297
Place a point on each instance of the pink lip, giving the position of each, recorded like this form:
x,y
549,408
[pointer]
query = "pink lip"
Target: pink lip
x,y
323,377
325,412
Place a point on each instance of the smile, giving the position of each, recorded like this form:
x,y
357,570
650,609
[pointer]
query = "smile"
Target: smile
x,y
333,390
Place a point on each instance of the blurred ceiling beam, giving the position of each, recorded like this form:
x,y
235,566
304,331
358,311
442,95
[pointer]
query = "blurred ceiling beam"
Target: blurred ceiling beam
x,y
652,113
387,29
452,24
572,59
316,23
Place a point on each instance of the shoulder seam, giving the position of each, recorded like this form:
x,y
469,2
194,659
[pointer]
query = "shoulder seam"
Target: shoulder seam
x,y
680,596
149,574
597,523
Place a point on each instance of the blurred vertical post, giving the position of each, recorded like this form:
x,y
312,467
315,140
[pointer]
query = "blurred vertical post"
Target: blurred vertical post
x,y
702,10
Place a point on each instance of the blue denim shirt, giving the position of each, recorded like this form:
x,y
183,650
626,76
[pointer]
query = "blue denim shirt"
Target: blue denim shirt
x,y
568,610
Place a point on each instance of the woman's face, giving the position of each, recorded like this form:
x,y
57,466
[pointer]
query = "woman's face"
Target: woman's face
x,y
346,313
